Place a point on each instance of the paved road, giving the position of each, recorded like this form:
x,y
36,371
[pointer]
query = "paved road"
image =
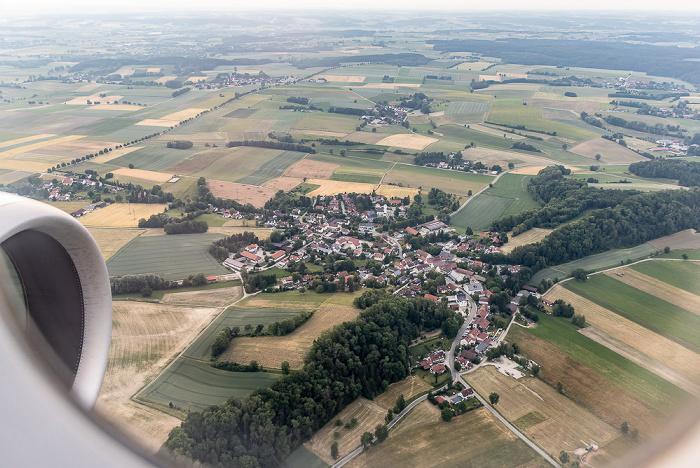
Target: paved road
x,y
512,428
450,358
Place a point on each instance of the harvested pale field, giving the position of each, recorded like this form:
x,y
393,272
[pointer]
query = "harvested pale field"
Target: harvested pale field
x,y
183,114
153,70
610,152
165,79
39,145
368,138
533,170
475,439
394,191
220,297
20,165
283,183
589,388
111,240
321,133
489,78
144,338
494,131
115,107
196,79
160,177
121,214
672,354
19,141
545,96
256,196
158,123
660,289
125,71
230,230
489,157
197,162
565,425
390,85
408,387
528,237
270,351
368,415
80,146
117,153
332,187
473,65
343,78
642,360
13,175
88,87
83,100
407,140
311,169
683,240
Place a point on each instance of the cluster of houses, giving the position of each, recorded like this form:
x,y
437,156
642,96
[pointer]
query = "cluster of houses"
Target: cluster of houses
x,y
464,166
64,189
87,209
459,397
386,114
234,79
676,147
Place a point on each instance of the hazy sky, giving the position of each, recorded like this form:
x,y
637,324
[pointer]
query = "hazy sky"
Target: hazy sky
x,y
101,6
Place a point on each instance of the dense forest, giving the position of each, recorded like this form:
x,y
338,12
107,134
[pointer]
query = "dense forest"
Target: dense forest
x,y
222,248
358,358
618,219
653,59
687,172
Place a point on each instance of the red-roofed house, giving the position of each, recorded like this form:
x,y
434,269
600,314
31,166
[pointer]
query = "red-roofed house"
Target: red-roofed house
x,y
412,231
430,296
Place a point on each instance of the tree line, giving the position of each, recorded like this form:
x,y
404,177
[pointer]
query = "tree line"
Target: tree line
x,y
358,358
687,172
273,145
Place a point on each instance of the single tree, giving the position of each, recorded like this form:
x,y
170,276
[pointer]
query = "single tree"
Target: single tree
x,y
381,432
366,439
563,456
535,370
560,388
334,450
597,157
446,414
494,397
684,256
285,367
624,428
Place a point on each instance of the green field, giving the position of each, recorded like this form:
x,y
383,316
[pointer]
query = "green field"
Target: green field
x,y
468,107
683,275
480,212
605,362
154,158
235,316
693,254
172,257
456,182
601,261
272,169
349,162
513,112
303,458
659,316
508,196
193,385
